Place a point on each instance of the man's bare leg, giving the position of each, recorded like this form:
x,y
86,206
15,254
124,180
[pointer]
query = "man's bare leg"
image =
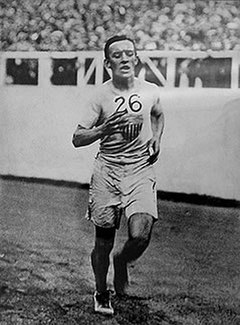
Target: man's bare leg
x,y
104,242
139,229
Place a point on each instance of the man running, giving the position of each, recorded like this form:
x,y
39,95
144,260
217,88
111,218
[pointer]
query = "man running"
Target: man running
x,y
125,114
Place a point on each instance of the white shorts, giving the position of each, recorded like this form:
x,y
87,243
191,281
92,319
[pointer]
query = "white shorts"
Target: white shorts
x,y
120,188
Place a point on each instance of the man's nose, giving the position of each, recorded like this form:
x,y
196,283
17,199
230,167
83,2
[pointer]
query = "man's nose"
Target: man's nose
x,y
124,56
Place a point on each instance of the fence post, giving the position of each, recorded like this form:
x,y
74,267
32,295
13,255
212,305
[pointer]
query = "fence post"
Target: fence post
x,y
99,68
235,70
81,70
2,69
45,71
171,71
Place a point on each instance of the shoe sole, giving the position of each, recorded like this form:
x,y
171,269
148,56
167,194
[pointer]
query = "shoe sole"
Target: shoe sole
x,y
106,313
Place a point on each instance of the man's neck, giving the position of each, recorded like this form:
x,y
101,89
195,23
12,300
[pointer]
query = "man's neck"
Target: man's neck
x,y
124,83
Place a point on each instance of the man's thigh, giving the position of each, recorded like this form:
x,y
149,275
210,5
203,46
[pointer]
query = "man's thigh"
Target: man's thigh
x,y
141,194
104,198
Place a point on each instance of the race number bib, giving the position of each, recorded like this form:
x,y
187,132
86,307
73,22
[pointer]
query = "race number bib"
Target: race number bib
x,y
133,106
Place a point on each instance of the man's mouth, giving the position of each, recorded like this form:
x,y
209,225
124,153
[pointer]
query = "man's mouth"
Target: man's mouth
x,y
125,68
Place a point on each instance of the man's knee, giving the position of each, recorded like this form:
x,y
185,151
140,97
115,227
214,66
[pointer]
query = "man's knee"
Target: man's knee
x,y
104,237
105,233
140,227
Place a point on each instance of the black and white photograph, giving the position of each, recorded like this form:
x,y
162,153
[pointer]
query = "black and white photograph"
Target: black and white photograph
x,y
119,164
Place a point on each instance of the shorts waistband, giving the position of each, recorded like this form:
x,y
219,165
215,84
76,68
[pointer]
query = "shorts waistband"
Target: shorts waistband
x,y
127,168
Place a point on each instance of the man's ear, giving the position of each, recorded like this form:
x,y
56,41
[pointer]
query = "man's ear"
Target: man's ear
x,y
107,64
137,60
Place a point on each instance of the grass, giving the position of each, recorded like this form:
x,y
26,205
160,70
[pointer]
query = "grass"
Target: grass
x,y
188,276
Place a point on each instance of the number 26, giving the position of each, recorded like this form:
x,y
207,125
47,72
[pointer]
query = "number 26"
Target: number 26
x,y
134,104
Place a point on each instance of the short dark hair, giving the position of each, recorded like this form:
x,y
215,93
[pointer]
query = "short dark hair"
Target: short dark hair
x,y
114,39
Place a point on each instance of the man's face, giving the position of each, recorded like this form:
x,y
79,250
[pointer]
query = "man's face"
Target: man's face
x,y
122,59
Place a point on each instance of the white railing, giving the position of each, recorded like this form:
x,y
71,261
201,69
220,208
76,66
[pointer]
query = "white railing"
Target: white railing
x,y
95,65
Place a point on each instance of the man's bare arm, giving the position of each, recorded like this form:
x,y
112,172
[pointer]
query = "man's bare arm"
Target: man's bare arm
x,y
84,137
157,123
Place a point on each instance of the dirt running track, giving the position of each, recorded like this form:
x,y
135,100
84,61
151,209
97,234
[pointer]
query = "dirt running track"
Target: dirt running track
x,y
190,274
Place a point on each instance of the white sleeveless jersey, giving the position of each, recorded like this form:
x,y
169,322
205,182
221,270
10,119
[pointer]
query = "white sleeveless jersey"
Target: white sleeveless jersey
x,y
129,145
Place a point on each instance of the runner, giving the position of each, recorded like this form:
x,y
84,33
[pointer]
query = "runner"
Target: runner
x,y
125,114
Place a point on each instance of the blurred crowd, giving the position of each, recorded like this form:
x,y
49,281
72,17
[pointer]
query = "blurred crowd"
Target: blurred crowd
x,y
72,25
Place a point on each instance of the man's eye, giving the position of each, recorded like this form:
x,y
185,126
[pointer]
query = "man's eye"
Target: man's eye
x,y
116,55
129,53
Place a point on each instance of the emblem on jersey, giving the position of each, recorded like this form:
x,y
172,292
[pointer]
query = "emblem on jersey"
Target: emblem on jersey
x,y
132,130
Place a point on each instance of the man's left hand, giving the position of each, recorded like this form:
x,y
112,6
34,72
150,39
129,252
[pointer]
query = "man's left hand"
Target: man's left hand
x,y
154,150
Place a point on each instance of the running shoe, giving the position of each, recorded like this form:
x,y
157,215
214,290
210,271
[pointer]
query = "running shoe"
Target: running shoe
x,y
102,303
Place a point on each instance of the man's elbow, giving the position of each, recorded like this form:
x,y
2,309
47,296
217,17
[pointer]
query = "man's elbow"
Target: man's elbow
x,y
76,141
